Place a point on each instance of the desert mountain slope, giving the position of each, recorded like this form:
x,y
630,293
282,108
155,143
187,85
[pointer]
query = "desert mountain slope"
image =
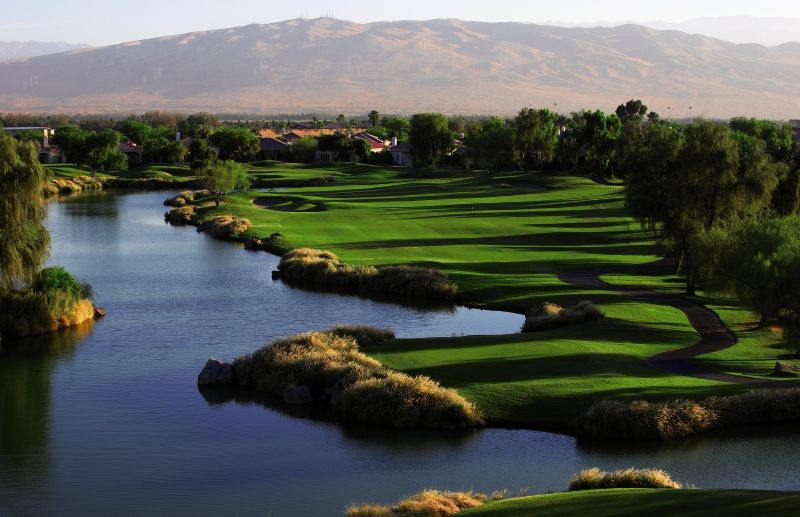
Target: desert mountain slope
x,y
444,65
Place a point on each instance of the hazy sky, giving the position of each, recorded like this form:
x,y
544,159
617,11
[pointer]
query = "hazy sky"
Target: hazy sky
x,y
100,22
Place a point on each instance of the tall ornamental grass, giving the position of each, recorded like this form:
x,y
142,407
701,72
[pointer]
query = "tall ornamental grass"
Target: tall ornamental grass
x,y
324,268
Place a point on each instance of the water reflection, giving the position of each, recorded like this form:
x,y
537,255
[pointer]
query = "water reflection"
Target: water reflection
x,y
27,366
387,439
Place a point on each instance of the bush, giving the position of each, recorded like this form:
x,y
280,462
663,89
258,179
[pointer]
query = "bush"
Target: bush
x,y
355,385
430,503
225,226
679,418
56,278
594,478
323,267
550,315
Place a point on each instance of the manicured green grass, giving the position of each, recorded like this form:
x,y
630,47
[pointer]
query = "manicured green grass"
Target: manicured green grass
x,y
614,502
504,239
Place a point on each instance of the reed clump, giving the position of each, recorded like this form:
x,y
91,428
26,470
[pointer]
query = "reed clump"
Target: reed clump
x,y
550,315
181,215
225,226
642,420
594,478
429,503
357,387
324,268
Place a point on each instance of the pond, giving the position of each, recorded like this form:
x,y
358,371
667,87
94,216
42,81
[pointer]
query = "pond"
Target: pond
x,y
107,417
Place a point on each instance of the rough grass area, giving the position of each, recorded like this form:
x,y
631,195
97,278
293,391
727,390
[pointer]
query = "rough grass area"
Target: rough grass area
x,y
356,386
643,501
324,268
430,503
549,315
594,478
609,420
224,226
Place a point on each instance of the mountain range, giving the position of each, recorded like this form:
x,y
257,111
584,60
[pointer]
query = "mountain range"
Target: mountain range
x,y
453,66
16,49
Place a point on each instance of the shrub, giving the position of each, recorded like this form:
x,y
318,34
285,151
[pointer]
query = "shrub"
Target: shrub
x,y
593,478
56,278
181,215
225,226
73,185
679,418
429,503
355,385
323,267
55,300
550,315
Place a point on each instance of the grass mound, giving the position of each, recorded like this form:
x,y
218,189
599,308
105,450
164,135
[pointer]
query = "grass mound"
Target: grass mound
x,y
430,503
225,226
679,418
550,315
593,478
324,268
356,386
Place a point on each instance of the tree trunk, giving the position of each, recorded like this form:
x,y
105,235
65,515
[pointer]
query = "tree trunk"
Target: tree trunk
x,y
216,200
690,284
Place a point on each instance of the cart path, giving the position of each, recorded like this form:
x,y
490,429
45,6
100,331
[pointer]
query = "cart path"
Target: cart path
x,y
714,334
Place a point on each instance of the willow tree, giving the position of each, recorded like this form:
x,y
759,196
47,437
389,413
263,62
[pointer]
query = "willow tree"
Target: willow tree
x,y
24,241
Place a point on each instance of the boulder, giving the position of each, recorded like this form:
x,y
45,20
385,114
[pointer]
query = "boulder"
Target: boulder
x,y
786,370
299,395
216,372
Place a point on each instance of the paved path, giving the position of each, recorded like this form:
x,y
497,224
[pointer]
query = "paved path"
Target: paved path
x,y
714,335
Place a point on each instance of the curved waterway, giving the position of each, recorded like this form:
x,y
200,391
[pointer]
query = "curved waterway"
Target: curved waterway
x,y
107,418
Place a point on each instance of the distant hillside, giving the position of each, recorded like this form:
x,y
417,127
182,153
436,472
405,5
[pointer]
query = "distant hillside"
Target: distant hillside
x,y
15,49
445,65
768,31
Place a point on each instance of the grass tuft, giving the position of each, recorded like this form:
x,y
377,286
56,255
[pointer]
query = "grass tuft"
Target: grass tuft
x,y
594,478
181,215
429,503
550,315
225,226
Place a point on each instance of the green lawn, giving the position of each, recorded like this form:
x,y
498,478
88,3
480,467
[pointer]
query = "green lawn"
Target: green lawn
x,y
504,239
614,502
